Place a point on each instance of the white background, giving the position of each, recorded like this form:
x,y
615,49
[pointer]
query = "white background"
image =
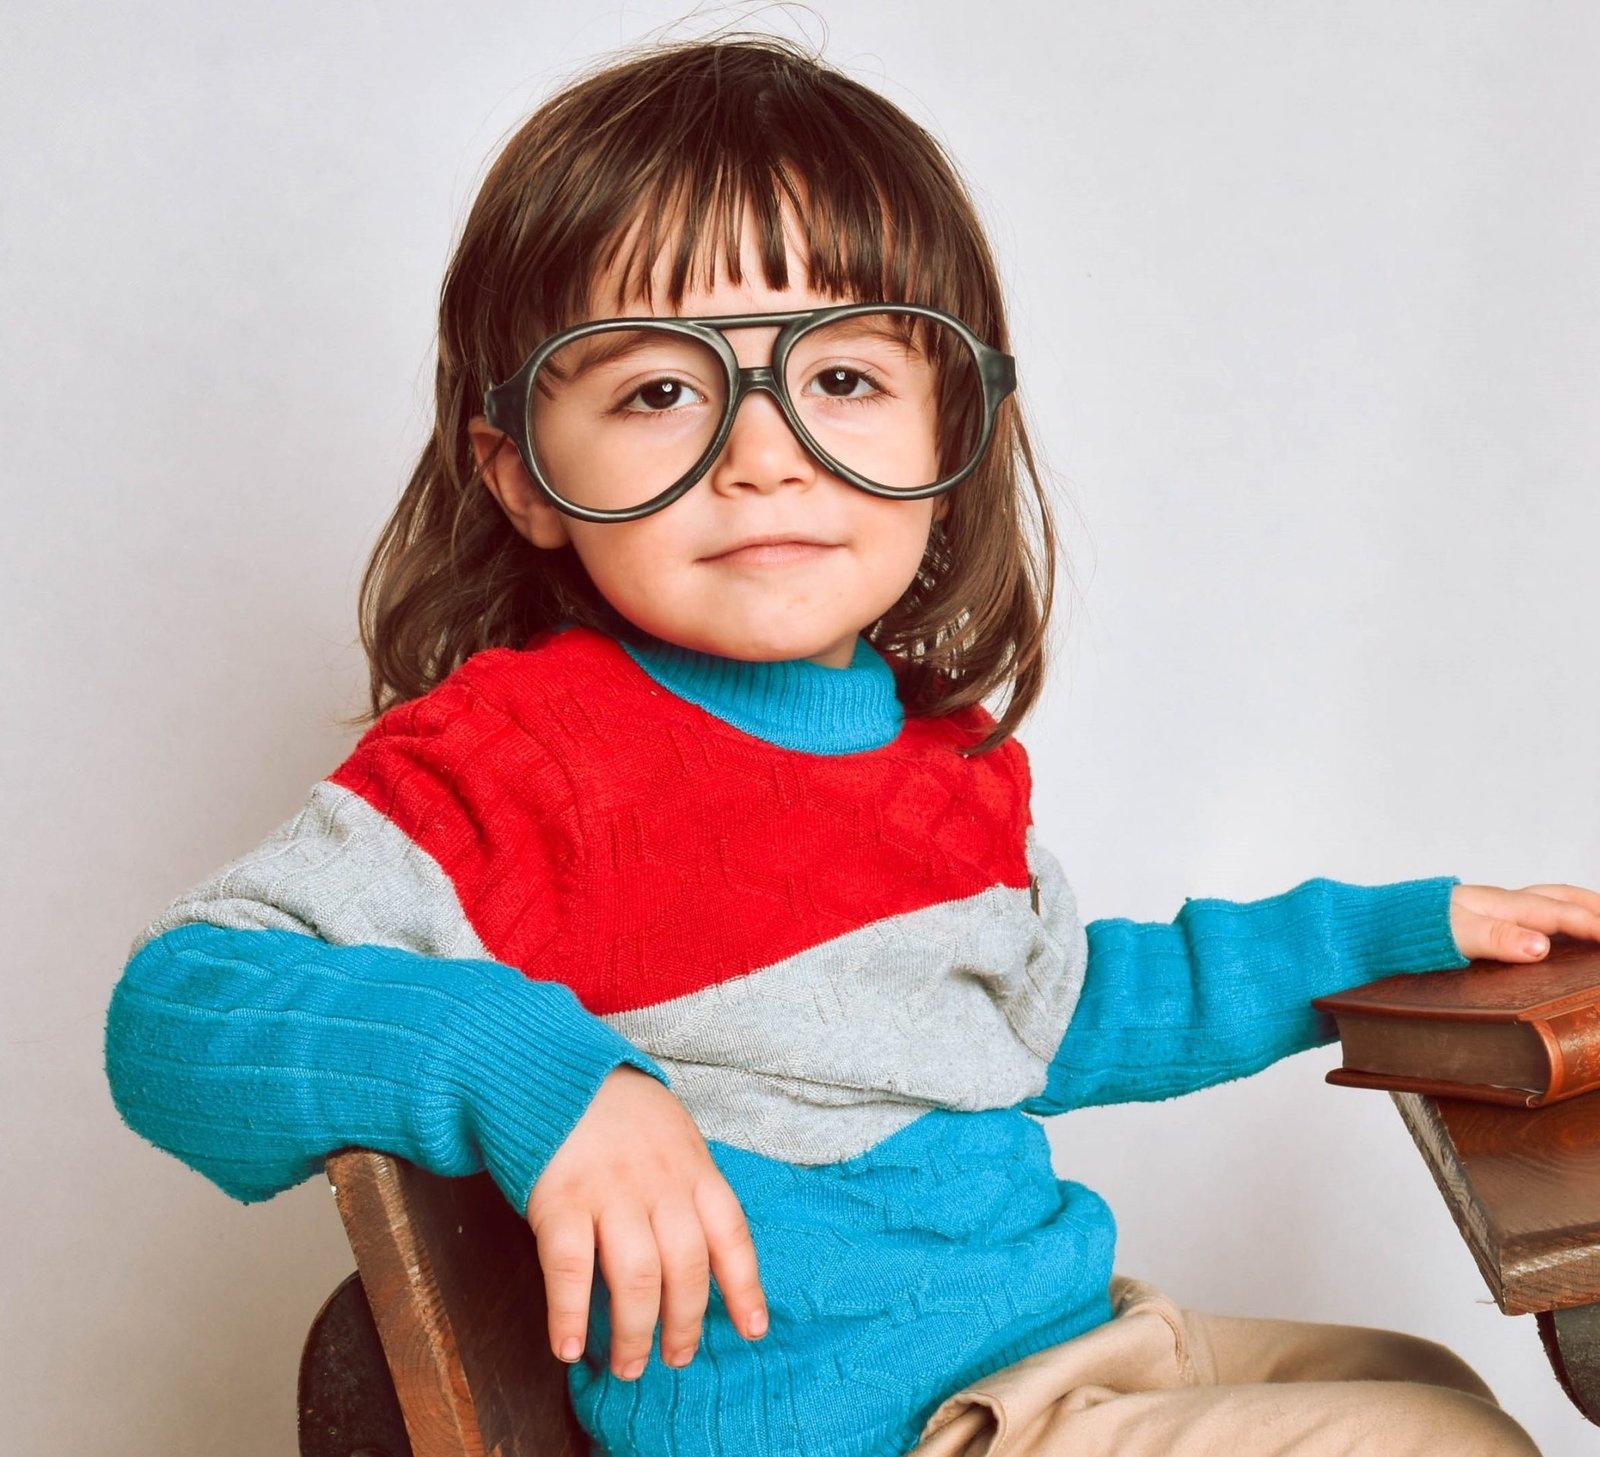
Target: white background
x,y
1306,304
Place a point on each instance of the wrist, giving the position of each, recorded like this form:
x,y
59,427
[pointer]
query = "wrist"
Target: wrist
x,y
523,1062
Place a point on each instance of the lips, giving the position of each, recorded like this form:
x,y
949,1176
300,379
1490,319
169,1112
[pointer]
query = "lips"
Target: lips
x,y
776,539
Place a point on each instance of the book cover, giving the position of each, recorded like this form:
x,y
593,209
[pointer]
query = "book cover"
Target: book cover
x,y
1518,1033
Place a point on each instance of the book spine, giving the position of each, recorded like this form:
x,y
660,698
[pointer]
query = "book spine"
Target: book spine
x,y
1572,1043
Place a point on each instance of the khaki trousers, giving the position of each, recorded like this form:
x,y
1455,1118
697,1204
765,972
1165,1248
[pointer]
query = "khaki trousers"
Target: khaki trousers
x,y
1160,1381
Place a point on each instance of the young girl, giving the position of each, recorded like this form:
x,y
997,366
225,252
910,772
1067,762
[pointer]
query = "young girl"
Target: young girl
x,y
684,883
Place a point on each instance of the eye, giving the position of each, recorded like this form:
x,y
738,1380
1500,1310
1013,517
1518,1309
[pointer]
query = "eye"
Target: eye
x,y
659,397
839,382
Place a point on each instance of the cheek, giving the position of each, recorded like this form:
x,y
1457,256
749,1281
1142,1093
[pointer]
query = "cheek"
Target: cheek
x,y
909,528
627,561
900,540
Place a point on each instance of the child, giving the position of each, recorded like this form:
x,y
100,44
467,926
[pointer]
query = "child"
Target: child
x,y
684,883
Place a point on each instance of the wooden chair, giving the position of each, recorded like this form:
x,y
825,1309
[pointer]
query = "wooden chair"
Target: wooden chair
x,y
438,1346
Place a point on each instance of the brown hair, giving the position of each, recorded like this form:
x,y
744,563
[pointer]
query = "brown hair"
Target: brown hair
x,y
688,135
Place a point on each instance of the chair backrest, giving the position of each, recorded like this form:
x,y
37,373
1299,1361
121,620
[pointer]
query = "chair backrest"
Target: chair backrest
x,y
457,1293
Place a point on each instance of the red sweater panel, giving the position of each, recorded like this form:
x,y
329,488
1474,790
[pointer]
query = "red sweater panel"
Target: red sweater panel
x,y
603,832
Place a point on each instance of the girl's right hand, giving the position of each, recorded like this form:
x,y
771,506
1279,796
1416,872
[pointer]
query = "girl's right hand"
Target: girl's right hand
x,y
635,1180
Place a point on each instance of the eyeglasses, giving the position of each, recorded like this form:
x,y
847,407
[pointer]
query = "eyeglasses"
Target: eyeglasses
x,y
617,418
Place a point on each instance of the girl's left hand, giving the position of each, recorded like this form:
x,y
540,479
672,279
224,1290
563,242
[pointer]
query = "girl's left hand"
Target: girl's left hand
x,y
1513,925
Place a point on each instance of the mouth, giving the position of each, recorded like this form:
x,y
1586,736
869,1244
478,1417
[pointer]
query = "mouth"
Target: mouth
x,y
776,548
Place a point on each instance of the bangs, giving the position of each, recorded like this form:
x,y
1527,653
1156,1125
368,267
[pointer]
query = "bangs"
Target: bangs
x,y
837,225
664,164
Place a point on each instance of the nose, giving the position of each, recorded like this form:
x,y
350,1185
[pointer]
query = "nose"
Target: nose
x,y
761,451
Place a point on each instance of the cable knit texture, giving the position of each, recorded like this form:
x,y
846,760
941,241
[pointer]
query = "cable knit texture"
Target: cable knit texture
x,y
834,937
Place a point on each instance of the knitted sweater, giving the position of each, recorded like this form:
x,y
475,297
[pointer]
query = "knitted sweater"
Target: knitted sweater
x,y
837,940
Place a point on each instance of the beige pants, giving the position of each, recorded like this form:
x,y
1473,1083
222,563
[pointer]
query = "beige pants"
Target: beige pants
x,y
1159,1381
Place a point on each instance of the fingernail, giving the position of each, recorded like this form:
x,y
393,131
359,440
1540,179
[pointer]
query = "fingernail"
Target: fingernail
x,y
570,1348
1536,946
631,1371
757,1323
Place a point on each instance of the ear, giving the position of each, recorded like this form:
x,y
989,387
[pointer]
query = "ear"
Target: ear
x,y
941,506
510,484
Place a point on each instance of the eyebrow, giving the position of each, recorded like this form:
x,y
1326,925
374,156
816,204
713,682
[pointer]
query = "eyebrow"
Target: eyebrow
x,y
604,348
875,326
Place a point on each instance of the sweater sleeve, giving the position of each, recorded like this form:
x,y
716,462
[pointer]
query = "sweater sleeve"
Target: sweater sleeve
x,y
1225,989
328,990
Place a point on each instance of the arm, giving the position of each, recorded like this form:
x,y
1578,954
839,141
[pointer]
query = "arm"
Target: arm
x,y
328,989
1224,990
252,1055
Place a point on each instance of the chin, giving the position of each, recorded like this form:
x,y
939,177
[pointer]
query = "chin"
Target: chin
x,y
764,652
749,642
767,649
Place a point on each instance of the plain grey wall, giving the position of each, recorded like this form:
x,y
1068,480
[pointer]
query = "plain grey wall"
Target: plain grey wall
x,y
1307,309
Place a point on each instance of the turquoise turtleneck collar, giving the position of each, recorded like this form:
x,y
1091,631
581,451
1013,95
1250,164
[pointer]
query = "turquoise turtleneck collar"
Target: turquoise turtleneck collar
x,y
795,704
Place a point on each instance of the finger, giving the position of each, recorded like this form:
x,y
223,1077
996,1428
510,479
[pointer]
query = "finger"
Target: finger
x,y
1494,900
1576,895
685,1279
1548,909
1565,917
566,1255
631,1263
733,1255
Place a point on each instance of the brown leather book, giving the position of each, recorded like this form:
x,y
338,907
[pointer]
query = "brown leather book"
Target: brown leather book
x,y
1520,1033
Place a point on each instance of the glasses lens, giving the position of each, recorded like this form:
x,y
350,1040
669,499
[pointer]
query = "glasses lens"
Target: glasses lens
x,y
897,397
617,416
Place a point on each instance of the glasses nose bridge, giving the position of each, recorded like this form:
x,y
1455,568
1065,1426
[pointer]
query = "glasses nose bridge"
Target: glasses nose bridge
x,y
753,377
750,379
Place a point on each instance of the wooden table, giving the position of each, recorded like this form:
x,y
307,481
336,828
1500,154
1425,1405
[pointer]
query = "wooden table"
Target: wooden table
x,y
1523,1185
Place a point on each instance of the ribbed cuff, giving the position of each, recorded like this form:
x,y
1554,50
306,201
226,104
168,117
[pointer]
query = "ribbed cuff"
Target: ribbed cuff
x,y
1383,930
528,1059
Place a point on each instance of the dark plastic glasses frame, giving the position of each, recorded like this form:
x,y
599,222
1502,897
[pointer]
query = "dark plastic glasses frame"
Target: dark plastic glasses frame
x,y
506,405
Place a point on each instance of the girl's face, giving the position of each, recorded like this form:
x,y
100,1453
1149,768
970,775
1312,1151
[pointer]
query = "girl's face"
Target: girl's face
x,y
688,573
